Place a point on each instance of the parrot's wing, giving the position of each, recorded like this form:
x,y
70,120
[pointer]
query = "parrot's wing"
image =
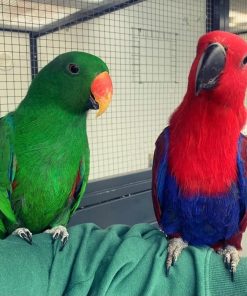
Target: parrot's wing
x,y
236,239
7,167
159,172
79,187
242,180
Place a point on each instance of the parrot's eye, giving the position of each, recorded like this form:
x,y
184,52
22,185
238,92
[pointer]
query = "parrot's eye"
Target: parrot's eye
x,y
244,62
74,69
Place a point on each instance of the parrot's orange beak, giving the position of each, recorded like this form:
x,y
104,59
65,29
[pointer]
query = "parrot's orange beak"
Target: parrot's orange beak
x,y
101,90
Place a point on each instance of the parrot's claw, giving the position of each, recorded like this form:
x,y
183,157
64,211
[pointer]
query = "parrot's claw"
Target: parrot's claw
x,y
231,259
167,271
23,233
175,247
59,231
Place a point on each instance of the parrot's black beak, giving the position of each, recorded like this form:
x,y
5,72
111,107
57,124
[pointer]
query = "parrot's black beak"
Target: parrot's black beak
x,y
92,104
210,67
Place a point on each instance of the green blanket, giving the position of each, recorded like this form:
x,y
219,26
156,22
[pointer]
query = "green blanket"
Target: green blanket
x,y
114,262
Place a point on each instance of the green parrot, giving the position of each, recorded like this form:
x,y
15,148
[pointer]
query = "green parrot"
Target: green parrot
x,y
44,152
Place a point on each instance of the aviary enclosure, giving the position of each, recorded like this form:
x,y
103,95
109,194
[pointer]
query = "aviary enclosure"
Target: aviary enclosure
x,y
148,46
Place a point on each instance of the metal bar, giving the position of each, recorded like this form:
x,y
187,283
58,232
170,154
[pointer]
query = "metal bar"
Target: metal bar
x,y
116,187
118,181
116,193
217,15
33,55
83,16
226,14
127,210
8,29
240,32
212,11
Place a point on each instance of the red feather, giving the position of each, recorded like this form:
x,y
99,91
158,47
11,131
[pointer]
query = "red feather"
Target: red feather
x,y
204,130
72,195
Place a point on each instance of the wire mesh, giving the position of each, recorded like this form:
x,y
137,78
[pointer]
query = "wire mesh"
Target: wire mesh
x,y
237,17
147,45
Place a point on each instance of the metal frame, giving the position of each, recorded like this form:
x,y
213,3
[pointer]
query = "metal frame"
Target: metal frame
x,y
241,32
218,15
71,20
33,54
83,16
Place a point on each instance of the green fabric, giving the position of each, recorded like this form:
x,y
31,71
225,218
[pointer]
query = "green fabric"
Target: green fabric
x,y
114,262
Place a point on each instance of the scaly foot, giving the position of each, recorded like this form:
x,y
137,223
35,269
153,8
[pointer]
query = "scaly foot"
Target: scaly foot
x,y
175,247
231,258
23,233
59,231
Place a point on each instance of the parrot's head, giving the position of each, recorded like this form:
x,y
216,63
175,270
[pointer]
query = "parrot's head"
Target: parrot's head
x,y
219,71
76,81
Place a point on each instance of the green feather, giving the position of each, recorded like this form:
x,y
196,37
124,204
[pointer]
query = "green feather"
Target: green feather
x,y
7,170
49,143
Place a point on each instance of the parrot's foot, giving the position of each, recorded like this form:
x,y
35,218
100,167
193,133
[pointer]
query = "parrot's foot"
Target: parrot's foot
x,y
23,233
59,231
175,247
231,258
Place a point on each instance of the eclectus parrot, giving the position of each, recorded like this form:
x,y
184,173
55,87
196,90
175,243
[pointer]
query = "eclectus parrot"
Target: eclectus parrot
x,y
199,184
44,152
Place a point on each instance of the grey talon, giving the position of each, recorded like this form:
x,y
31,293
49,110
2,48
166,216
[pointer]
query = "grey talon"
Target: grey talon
x,y
59,231
167,271
26,237
55,236
175,248
231,259
23,233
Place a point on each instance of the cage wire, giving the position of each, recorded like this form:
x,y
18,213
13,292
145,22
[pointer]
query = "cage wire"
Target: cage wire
x,y
147,45
237,17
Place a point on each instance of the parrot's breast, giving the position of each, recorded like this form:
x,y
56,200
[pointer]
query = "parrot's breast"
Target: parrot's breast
x,y
47,168
203,148
41,195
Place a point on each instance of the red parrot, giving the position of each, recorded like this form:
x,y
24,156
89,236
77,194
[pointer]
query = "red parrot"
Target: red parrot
x,y
200,163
